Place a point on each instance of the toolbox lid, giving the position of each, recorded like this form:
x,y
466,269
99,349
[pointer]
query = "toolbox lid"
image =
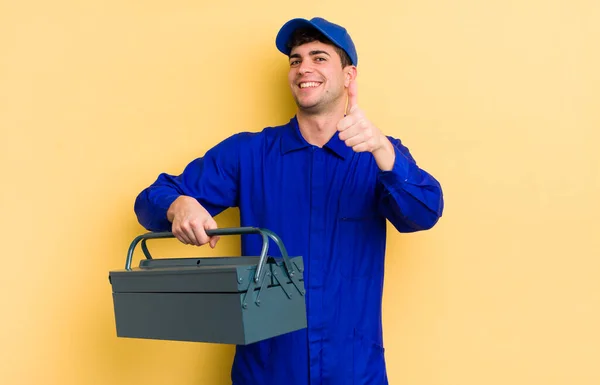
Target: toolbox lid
x,y
194,275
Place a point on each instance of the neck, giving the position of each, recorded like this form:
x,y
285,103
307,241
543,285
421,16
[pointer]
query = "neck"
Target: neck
x,y
317,129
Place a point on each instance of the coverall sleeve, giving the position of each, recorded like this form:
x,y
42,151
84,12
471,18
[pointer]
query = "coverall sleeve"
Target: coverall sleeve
x,y
212,179
409,197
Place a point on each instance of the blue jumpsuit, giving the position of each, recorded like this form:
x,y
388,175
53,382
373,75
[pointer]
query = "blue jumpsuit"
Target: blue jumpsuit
x,y
328,205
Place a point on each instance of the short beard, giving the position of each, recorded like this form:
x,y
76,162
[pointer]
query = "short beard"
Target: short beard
x,y
317,108
314,109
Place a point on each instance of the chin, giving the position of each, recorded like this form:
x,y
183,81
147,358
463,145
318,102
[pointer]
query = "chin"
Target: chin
x,y
311,110
306,105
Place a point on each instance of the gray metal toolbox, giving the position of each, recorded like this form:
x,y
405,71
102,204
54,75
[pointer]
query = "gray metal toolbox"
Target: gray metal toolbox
x,y
227,300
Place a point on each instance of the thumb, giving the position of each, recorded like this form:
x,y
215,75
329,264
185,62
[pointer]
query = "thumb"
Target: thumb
x,y
213,241
352,97
212,225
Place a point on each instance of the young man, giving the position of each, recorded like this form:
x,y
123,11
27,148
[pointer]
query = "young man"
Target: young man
x,y
326,183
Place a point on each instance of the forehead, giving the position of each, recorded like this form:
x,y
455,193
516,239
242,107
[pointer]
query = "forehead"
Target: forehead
x,y
306,48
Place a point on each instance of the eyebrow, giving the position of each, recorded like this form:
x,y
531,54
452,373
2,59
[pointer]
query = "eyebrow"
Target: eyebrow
x,y
311,53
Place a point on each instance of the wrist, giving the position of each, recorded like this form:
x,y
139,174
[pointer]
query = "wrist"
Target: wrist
x,y
385,156
173,207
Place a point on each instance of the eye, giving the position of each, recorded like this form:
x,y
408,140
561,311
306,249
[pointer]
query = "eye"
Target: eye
x,y
321,59
294,63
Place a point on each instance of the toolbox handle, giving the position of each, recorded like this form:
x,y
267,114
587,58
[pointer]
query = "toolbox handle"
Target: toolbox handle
x,y
266,234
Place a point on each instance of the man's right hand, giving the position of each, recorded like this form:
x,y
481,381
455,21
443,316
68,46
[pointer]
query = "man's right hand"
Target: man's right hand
x,y
190,222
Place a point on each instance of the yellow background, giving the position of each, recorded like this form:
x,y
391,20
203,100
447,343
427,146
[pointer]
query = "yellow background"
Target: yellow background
x,y
498,99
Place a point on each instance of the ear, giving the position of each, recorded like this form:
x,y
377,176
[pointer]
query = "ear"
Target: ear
x,y
350,74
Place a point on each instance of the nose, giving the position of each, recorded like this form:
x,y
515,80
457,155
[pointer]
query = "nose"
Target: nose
x,y
304,68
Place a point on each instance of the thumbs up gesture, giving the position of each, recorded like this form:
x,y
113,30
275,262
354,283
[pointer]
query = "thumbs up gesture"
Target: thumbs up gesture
x,y
362,135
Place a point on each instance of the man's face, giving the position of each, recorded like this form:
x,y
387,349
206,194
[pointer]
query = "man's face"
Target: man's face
x,y
316,77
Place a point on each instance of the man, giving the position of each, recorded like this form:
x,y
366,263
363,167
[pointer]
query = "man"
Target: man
x,y
325,183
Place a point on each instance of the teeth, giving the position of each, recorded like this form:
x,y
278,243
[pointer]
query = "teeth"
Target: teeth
x,y
309,84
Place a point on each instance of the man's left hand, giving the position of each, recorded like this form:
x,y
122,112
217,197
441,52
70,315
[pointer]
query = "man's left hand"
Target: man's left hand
x,y
362,135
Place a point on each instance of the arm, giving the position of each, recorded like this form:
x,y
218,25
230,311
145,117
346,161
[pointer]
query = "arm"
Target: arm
x,y
207,186
409,197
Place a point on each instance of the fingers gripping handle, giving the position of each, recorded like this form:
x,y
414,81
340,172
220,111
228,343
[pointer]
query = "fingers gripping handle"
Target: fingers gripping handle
x,y
266,234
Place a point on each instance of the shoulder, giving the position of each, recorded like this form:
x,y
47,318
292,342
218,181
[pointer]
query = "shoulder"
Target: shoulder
x,y
249,140
395,141
399,146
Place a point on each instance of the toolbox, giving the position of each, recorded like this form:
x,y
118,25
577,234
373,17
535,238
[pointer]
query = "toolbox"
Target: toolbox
x,y
226,300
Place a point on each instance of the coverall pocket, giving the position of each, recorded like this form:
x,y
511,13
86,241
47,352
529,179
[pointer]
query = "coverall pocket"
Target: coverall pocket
x,y
356,225
368,361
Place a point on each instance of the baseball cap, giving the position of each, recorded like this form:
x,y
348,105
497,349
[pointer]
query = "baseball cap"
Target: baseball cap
x,y
336,33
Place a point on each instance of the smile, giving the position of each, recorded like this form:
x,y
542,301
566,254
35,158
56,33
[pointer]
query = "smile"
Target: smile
x,y
309,84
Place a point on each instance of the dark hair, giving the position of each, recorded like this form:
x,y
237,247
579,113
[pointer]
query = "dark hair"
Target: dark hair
x,y
308,35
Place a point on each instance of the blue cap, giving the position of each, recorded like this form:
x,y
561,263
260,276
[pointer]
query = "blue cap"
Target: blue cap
x,y
337,34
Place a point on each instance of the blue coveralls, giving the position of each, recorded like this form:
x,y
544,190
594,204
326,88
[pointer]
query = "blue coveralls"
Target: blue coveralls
x,y
328,205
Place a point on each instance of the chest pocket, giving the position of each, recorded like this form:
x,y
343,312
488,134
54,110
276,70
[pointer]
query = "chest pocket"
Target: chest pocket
x,y
359,225
357,211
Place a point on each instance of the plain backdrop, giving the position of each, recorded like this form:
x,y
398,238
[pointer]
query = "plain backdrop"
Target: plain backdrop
x,y
498,99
